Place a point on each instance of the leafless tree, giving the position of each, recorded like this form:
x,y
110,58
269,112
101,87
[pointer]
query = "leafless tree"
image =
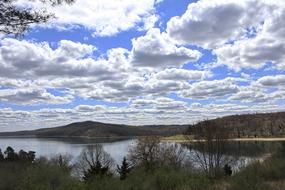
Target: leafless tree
x,y
210,146
172,155
145,152
150,154
94,161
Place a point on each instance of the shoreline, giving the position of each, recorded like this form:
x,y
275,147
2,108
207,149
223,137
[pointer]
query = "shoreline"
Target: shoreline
x,y
178,139
265,139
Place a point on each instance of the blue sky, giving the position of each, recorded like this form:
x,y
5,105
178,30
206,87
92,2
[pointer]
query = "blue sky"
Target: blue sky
x,y
144,62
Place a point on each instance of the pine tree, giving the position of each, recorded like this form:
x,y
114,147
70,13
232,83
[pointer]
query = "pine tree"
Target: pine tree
x,y
124,169
96,171
228,170
1,156
10,154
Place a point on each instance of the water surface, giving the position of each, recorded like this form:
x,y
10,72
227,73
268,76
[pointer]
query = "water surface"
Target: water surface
x,y
50,147
240,152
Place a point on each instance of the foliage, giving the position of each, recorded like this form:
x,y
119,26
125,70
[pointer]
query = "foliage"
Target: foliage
x,y
124,169
52,174
228,170
94,162
16,20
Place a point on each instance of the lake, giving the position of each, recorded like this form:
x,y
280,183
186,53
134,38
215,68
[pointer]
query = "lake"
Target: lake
x,y
240,152
50,147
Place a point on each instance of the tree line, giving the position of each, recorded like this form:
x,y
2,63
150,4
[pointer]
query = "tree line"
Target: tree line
x,y
250,125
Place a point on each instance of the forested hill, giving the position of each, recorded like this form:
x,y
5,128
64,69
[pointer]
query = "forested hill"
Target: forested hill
x,y
96,129
249,125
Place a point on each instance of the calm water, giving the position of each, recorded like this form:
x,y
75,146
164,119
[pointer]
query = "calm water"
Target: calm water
x,y
50,147
242,152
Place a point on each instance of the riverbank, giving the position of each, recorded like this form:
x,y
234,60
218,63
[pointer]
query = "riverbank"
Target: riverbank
x,y
184,139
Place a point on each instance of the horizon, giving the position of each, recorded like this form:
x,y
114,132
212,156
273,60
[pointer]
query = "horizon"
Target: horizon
x,y
174,124
144,63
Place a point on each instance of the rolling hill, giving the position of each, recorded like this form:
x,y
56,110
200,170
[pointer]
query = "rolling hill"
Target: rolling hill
x,y
92,129
247,125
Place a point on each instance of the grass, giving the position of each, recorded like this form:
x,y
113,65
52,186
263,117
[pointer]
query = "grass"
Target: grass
x,y
175,138
185,138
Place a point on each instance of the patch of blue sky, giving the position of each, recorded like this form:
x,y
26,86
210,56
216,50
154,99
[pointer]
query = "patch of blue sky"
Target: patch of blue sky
x,y
58,91
94,102
170,8
206,58
5,88
221,72
251,32
82,35
268,70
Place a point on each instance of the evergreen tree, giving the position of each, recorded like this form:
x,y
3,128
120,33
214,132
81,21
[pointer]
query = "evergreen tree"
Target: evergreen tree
x,y
96,171
1,156
94,162
228,170
26,156
10,154
124,169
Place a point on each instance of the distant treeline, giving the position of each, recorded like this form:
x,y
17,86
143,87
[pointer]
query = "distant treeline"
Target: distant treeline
x,y
250,125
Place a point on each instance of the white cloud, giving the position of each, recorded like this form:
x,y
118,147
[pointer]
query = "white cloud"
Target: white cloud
x,y
32,96
243,34
156,50
267,47
250,95
27,60
210,23
272,81
103,18
265,89
182,74
211,89
144,111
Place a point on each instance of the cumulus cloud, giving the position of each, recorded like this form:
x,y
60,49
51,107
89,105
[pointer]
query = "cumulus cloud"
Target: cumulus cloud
x,y
113,76
250,95
211,89
32,96
182,74
101,17
24,59
242,34
144,111
267,47
272,81
265,89
209,23
155,49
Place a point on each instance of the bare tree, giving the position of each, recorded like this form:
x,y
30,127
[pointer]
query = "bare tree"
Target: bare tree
x,y
145,152
16,20
172,155
94,161
210,146
150,154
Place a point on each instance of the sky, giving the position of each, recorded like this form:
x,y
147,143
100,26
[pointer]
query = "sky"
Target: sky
x,y
144,62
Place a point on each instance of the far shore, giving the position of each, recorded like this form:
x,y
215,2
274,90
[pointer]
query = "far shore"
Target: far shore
x,y
183,139
176,138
